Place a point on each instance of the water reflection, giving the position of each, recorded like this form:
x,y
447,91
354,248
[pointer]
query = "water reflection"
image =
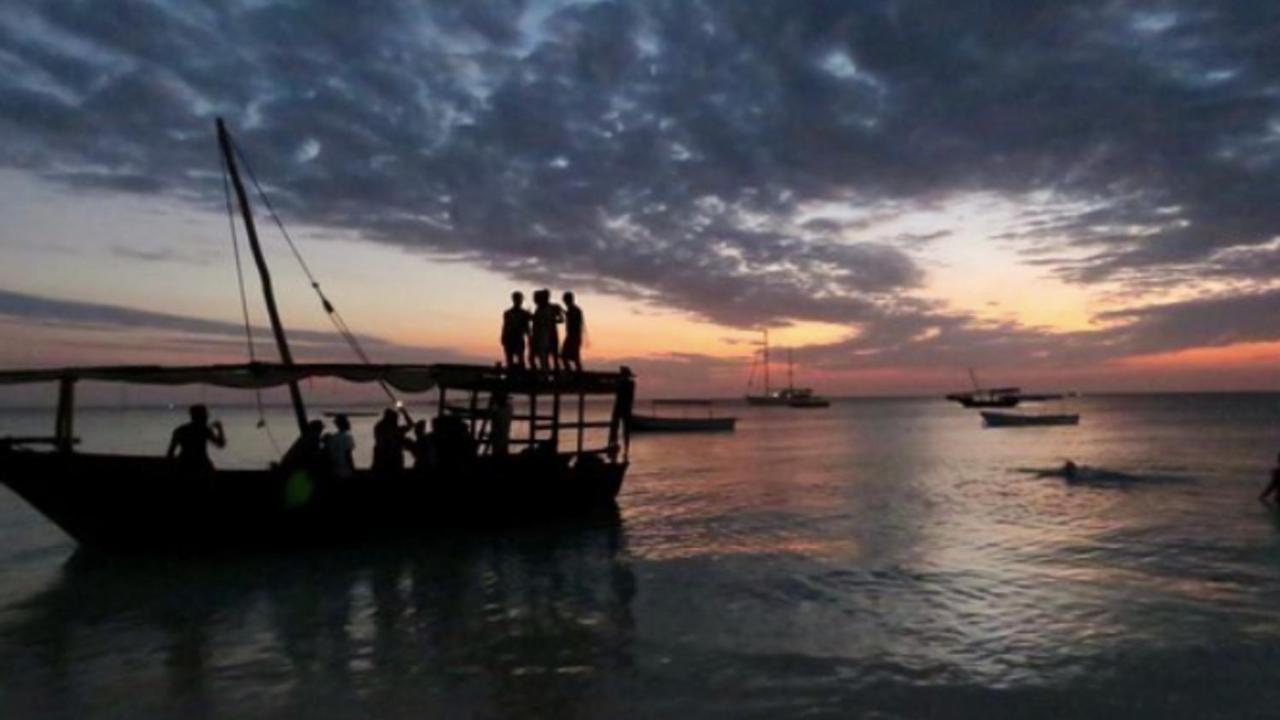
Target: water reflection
x,y
530,622
885,558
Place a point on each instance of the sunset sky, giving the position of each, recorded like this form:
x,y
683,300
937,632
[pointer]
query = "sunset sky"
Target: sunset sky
x,y
1077,195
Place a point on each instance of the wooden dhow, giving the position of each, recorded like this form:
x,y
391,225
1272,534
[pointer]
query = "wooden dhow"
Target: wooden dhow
x,y
135,502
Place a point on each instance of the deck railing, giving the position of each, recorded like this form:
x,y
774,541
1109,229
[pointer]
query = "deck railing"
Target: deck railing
x,y
544,395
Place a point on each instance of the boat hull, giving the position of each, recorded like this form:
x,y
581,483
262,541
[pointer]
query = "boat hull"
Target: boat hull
x,y
995,419
809,403
126,503
1006,401
767,400
651,423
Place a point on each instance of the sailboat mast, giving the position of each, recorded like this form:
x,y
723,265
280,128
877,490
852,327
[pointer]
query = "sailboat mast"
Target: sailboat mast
x,y
766,361
791,381
277,328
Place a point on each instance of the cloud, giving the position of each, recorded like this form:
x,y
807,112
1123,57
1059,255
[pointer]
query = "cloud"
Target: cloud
x,y
162,254
672,151
197,339
920,344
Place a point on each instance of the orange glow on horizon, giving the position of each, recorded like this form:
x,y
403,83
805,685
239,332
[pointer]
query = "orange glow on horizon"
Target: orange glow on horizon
x,y
1238,355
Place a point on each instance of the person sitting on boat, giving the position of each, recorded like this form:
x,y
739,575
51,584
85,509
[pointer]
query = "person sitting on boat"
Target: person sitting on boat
x,y
1272,491
515,330
571,352
190,441
422,447
307,452
544,340
454,446
340,447
389,443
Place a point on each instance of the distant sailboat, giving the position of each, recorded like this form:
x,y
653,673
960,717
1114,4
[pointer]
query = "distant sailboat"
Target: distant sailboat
x,y
790,396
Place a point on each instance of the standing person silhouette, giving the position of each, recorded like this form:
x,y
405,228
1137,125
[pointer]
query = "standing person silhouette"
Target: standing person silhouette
x,y
190,441
389,444
340,447
500,424
571,353
515,329
544,345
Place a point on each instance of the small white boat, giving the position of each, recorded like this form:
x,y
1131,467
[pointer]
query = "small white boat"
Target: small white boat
x,y
681,423
1004,419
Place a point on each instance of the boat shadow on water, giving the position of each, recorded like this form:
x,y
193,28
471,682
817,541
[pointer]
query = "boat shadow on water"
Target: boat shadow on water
x,y
464,623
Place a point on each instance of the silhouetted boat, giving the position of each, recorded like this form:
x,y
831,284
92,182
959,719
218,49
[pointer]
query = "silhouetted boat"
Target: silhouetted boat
x,y
681,423
790,396
804,398
1005,397
151,503
988,398
981,397
1002,419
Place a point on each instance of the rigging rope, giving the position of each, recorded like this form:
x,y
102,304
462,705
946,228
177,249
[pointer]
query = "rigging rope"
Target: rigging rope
x,y
244,303
335,317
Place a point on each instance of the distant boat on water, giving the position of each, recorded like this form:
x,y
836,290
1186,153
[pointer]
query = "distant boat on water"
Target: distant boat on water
x,y
790,396
804,398
656,422
1005,419
1003,397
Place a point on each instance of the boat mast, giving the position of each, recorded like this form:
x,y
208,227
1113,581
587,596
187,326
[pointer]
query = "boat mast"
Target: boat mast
x,y
791,381
766,362
277,328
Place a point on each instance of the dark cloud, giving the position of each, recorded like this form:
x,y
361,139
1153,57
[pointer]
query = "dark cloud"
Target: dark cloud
x,y
181,334
675,150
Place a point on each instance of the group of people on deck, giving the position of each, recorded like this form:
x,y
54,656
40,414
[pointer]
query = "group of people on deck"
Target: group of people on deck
x,y
447,446
536,335
530,340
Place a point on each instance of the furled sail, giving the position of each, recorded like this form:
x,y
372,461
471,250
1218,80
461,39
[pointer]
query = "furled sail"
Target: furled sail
x,y
247,376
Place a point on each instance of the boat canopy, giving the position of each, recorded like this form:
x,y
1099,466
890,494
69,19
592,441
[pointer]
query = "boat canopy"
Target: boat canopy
x,y
245,376
254,376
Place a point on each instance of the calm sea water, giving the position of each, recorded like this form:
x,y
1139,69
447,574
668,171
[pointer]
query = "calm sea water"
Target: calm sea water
x,y
884,558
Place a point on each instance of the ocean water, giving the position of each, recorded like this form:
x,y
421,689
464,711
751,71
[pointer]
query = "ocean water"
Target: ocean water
x,y
880,558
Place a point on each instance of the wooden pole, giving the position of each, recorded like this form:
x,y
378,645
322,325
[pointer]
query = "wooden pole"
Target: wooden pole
x,y
582,418
533,418
277,328
555,417
475,420
64,426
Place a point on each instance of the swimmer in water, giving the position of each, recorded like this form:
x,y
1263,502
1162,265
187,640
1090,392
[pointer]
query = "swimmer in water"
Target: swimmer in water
x,y
1070,470
1272,492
